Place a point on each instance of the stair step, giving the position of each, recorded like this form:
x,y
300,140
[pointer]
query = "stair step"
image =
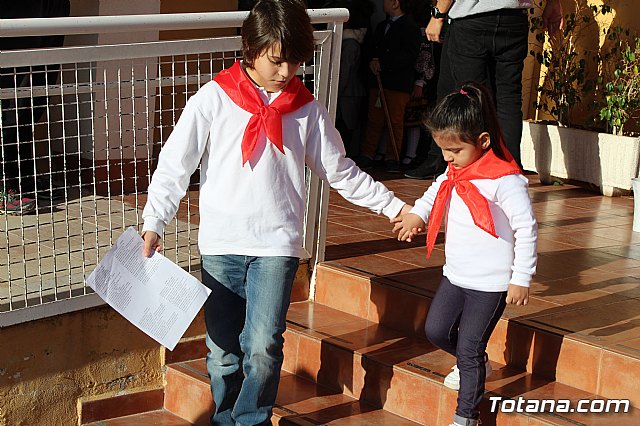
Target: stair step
x,y
403,374
299,401
522,342
150,418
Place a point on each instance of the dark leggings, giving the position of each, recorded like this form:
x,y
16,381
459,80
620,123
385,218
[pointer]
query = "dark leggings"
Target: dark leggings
x,y
460,321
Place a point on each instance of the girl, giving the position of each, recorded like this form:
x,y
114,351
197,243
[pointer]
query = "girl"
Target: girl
x,y
491,233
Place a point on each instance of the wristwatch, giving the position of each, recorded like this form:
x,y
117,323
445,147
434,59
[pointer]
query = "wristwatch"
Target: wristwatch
x,y
435,13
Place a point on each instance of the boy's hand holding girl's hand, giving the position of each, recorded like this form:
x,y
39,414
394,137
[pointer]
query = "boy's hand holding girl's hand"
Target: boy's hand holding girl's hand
x,y
152,242
517,295
406,224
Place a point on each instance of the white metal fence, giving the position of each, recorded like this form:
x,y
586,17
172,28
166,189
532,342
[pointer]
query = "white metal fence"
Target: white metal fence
x,y
82,127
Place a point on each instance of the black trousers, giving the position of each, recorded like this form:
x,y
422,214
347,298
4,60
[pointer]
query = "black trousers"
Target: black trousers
x,y
489,48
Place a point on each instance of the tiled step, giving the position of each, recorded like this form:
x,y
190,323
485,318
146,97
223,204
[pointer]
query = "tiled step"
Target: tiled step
x,y
403,375
150,418
299,401
368,374
519,340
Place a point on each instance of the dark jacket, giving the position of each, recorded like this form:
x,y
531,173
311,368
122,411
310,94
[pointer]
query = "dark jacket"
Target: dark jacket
x,y
397,51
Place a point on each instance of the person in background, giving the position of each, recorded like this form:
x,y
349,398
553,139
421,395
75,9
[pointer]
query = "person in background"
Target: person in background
x,y
17,151
252,130
486,42
352,89
490,244
392,56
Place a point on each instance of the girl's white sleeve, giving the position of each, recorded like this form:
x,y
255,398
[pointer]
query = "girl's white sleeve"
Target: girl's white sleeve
x,y
177,161
513,198
424,204
325,156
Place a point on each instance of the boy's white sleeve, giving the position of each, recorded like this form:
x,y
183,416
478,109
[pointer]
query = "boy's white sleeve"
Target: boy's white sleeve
x,y
177,161
513,198
424,204
325,155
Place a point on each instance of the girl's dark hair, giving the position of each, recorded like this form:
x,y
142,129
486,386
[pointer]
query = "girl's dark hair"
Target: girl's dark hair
x,y
283,22
468,113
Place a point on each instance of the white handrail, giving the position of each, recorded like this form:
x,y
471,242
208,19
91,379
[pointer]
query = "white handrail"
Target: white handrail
x,y
129,23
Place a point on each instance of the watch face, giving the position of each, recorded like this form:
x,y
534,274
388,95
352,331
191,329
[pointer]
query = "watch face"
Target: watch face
x,y
435,12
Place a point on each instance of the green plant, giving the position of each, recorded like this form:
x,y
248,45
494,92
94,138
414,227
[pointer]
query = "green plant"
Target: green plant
x,y
619,82
565,65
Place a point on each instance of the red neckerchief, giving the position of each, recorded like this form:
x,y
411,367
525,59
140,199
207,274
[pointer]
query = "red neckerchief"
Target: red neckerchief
x,y
489,166
266,118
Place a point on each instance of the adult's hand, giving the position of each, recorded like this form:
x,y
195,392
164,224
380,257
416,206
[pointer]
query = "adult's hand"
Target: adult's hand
x,y
553,17
434,29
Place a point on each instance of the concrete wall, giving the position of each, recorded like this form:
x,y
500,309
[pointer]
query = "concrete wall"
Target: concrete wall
x,y
46,365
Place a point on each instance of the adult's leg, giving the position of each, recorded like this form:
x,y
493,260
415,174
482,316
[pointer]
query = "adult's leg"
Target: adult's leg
x,y
511,50
224,313
269,281
480,314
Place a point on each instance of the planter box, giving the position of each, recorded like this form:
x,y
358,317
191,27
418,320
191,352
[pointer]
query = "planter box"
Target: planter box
x,y
604,160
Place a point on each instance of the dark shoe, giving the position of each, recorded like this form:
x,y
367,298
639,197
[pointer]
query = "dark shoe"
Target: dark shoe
x,y
392,166
364,163
430,168
48,190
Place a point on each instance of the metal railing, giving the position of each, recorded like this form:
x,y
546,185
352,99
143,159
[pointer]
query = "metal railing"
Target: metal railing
x,y
84,125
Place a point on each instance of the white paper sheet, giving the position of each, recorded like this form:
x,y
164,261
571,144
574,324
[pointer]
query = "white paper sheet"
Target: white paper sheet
x,y
154,294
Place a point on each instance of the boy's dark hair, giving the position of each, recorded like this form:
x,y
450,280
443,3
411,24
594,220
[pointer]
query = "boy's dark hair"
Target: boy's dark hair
x,y
468,113
283,22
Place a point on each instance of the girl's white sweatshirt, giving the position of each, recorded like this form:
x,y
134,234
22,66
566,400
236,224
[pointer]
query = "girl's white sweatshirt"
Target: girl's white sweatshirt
x,y
256,209
474,258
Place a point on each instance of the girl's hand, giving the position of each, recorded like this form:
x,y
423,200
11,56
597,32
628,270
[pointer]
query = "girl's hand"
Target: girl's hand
x,y
407,226
152,242
517,295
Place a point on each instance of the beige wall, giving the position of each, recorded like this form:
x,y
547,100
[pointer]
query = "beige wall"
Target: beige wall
x,y
46,365
625,13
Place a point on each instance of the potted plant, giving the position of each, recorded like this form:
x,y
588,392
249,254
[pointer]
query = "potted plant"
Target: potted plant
x,y
600,156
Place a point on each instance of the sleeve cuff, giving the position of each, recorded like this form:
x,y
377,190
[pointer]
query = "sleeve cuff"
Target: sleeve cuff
x,y
393,208
153,224
424,215
521,279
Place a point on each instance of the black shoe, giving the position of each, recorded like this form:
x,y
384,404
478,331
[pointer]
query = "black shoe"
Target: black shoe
x,y
392,166
49,191
430,168
364,163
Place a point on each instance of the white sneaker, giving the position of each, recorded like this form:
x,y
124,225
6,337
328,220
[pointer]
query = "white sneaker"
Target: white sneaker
x,y
452,381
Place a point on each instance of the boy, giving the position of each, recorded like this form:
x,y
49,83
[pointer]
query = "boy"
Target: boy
x,y
392,56
252,129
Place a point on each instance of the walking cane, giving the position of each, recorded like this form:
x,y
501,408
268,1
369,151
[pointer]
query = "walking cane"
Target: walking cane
x,y
386,115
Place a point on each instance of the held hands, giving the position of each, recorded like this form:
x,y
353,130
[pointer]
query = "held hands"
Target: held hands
x,y
517,295
407,226
152,242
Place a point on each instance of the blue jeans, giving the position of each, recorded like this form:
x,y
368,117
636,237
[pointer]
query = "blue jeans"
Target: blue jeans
x,y
245,317
460,321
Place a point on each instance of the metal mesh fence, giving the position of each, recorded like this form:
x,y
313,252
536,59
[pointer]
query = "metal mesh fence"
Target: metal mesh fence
x,y
81,130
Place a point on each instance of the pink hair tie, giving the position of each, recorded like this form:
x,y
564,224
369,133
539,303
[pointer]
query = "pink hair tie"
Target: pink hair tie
x,y
464,92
